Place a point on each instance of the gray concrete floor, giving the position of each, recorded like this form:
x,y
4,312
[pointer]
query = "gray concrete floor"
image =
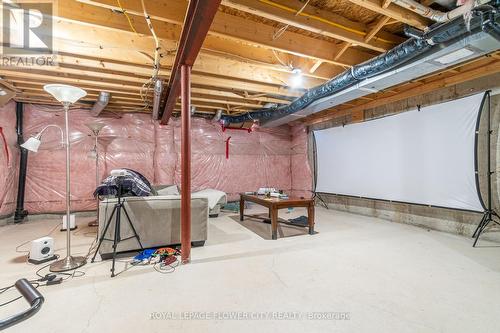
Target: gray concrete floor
x,y
385,277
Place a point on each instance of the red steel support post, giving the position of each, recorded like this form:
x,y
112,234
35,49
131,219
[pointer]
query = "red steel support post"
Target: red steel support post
x,y
186,164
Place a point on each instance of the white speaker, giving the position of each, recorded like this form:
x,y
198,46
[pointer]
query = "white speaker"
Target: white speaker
x,y
42,250
72,224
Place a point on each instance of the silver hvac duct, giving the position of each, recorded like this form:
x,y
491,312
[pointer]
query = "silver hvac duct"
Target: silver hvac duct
x,y
101,103
157,98
441,47
217,116
446,3
436,15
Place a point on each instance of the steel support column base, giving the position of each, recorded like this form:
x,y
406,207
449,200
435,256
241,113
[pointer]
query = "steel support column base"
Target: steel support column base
x,y
20,215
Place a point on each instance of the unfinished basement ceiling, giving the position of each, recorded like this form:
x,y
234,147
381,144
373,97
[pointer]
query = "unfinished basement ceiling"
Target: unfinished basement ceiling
x,y
246,62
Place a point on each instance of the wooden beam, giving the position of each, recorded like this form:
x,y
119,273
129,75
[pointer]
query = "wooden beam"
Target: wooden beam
x,y
315,66
427,2
168,15
395,12
199,17
318,21
342,49
386,3
376,28
223,84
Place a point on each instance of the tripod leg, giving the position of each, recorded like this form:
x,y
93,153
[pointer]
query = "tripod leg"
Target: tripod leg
x,y
479,225
104,233
116,238
132,226
485,224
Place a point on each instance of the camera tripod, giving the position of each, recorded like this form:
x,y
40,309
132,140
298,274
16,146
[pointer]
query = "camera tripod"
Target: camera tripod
x,y
119,206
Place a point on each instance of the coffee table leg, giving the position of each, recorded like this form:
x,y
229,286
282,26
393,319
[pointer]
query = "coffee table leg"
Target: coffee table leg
x,y
242,208
310,217
274,223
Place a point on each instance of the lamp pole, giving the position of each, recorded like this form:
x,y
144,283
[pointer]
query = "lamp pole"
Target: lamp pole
x,y
67,95
68,186
95,128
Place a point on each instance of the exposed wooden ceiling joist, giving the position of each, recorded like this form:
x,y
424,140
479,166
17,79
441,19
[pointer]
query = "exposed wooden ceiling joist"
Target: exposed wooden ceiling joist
x,y
394,11
168,17
241,65
318,21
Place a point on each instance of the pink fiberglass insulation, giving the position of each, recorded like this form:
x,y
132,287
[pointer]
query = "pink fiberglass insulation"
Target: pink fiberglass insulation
x,y
301,172
256,159
264,157
9,159
125,142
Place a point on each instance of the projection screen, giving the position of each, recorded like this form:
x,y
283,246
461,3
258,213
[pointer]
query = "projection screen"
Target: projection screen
x,y
422,157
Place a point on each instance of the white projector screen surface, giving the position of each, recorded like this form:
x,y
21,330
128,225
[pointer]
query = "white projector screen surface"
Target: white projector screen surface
x,y
422,157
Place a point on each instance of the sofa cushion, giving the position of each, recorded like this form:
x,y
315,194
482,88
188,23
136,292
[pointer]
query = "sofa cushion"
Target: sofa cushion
x,y
169,190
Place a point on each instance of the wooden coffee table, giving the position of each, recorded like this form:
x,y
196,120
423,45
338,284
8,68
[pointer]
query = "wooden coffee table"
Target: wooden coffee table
x,y
275,204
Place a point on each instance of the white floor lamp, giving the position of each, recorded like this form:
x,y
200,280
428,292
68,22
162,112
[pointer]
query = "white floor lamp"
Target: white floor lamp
x,y
67,95
94,153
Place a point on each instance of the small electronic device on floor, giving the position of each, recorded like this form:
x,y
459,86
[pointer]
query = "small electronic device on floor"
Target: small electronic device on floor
x,y
42,250
72,223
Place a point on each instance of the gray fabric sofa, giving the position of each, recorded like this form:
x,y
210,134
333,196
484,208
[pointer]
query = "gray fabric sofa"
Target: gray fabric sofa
x,y
216,199
156,220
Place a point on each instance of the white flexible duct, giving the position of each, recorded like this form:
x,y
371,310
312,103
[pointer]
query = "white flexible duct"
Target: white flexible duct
x,y
100,104
436,15
157,98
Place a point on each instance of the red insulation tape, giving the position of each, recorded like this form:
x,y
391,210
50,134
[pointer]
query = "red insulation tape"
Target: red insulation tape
x,y
227,148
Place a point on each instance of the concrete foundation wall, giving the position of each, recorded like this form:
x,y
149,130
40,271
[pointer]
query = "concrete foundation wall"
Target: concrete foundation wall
x,y
448,220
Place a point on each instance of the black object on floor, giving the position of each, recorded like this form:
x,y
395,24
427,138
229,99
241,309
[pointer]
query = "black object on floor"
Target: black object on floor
x,y
119,206
300,221
32,296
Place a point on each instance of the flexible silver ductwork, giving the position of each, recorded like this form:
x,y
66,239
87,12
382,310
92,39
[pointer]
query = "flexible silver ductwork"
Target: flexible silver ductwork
x,y
436,15
441,47
157,98
217,115
100,104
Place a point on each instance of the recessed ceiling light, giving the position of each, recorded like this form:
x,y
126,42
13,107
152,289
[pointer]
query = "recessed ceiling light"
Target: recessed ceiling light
x,y
3,92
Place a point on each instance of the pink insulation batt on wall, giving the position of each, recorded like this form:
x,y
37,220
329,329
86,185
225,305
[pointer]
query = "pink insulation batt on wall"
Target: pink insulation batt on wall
x,y
266,157
9,159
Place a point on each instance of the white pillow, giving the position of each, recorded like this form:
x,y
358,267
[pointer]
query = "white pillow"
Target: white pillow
x,y
169,190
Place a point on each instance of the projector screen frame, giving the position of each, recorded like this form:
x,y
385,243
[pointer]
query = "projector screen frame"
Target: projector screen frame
x,y
476,165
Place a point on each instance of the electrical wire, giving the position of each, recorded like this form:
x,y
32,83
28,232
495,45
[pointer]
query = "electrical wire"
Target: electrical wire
x,y
126,15
288,66
321,19
64,274
282,30
162,267
50,233
146,87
